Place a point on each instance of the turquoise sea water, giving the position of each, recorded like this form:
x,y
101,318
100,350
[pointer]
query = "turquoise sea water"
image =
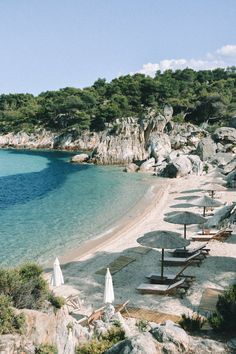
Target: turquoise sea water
x,y
48,206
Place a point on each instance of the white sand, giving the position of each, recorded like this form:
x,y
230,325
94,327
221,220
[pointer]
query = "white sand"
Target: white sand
x,y
218,270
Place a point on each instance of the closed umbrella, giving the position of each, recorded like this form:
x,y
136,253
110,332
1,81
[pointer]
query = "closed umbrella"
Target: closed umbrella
x,y
164,240
185,218
213,187
109,291
206,202
57,276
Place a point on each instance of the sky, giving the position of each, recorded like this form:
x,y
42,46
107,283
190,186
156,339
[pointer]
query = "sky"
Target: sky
x,y
51,44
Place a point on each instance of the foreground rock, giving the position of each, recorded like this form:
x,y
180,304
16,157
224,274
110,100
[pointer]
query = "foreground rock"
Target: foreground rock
x,y
178,167
58,329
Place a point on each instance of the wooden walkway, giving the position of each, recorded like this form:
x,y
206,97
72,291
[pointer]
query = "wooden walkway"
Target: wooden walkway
x,y
209,299
148,315
116,265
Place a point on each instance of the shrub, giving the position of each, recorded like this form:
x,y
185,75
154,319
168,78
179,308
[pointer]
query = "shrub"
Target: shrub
x,y
30,270
192,323
9,321
206,168
45,349
56,301
25,286
103,342
224,319
142,325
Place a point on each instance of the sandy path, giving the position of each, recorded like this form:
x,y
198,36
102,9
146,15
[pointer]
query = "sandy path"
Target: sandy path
x,y
217,271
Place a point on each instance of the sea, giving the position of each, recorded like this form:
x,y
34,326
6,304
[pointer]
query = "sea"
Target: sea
x,y
49,206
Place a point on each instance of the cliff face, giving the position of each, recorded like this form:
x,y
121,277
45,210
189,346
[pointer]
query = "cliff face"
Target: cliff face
x,y
128,140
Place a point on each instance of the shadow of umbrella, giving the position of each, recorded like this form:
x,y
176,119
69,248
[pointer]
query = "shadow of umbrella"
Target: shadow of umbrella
x,y
206,202
213,187
185,218
164,240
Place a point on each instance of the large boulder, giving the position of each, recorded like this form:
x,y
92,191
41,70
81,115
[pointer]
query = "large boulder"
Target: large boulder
x,y
186,134
171,333
178,167
159,146
231,166
222,159
225,135
142,343
197,165
206,148
147,165
131,167
80,158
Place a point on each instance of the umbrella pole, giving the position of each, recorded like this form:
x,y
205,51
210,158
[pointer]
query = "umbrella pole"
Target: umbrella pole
x,y
204,211
162,262
185,230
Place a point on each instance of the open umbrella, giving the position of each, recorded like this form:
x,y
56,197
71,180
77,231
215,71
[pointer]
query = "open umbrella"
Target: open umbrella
x,y
109,291
206,202
164,240
185,218
213,187
215,181
57,276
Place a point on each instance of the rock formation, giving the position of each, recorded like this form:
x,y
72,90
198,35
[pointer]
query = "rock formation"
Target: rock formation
x,y
152,143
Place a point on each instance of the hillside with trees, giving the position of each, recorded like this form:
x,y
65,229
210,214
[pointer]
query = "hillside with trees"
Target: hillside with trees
x,y
196,96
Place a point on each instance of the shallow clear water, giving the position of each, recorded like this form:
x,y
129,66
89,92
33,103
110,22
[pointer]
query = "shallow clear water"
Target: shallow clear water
x,y
48,205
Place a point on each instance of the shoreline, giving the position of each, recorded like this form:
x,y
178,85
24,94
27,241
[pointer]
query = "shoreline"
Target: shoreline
x,y
80,267
139,212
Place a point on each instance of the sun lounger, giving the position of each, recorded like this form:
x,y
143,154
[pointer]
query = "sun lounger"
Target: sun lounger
x,y
160,288
220,235
196,258
185,252
170,278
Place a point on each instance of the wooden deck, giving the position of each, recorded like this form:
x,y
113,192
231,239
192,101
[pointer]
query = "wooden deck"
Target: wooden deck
x,y
149,315
209,299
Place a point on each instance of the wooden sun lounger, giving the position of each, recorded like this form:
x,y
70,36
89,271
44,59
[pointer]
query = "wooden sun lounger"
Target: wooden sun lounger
x,y
195,258
170,278
184,252
220,235
160,288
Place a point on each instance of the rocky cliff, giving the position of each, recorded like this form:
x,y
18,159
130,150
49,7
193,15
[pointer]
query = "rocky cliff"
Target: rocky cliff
x,y
152,143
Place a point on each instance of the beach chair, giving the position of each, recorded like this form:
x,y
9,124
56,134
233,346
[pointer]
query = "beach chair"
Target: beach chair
x,y
196,258
96,315
162,289
220,235
185,252
170,278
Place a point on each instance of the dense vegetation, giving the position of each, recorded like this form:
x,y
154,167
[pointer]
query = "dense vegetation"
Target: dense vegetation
x,y
195,96
101,343
25,287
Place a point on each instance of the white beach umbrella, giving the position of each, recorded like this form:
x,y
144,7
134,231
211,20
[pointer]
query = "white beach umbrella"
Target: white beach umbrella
x,y
57,276
109,291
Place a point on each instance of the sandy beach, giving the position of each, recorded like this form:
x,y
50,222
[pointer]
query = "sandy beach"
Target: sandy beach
x,y
216,271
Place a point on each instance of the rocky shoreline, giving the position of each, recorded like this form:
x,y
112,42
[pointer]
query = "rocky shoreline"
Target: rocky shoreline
x,y
153,144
